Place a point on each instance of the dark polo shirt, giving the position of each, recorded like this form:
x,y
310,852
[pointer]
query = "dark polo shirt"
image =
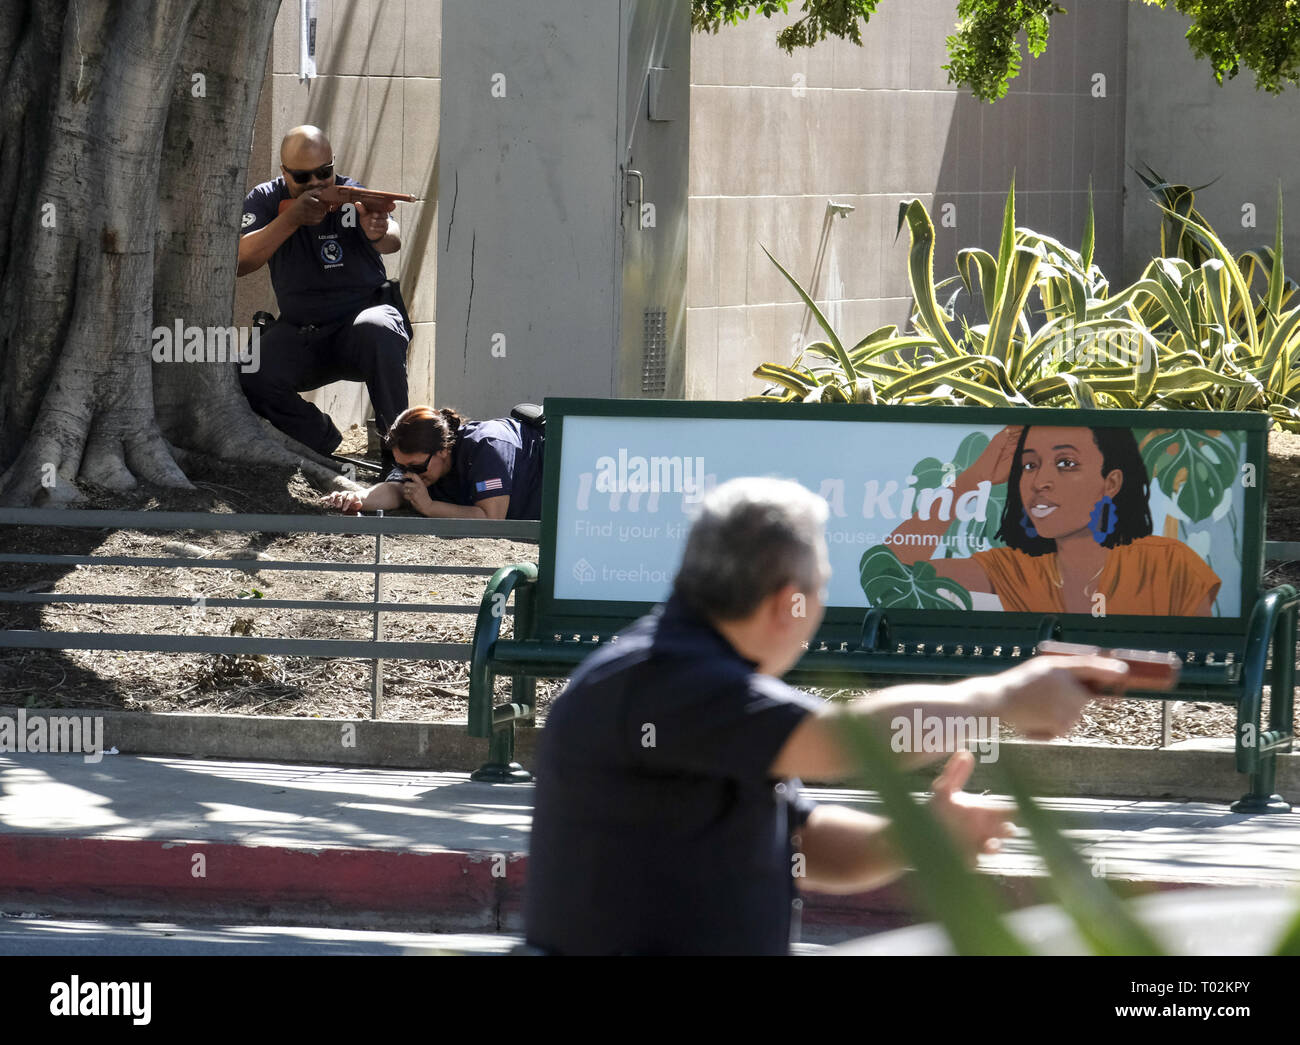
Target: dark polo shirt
x,y
322,273
657,829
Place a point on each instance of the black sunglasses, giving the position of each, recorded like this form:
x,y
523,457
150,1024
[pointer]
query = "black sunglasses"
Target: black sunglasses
x,y
302,177
416,469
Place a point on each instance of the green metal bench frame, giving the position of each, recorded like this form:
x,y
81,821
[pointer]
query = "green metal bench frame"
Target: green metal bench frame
x,y
1226,660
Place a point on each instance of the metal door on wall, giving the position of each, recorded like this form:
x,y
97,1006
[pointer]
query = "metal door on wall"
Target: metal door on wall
x,y
655,136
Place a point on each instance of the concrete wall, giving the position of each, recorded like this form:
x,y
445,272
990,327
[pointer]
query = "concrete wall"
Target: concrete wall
x,y
379,65
528,243
773,138
1195,132
869,127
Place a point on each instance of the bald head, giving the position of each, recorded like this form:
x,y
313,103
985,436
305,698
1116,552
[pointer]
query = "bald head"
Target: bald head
x,y
306,148
304,138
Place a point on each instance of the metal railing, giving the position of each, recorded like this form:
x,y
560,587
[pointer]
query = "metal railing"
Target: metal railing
x,y
375,649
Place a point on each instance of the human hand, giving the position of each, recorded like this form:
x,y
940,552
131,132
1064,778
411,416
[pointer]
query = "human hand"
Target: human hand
x,y
346,500
374,219
976,825
307,210
994,464
416,495
1044,696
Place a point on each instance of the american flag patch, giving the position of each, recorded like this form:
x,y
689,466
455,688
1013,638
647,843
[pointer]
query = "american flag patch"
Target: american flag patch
x,y
488,484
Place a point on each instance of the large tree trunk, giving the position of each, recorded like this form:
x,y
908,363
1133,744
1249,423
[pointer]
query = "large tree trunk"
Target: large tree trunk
x,y
124,173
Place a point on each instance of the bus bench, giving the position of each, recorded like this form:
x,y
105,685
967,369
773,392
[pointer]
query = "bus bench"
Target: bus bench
x,y
939,570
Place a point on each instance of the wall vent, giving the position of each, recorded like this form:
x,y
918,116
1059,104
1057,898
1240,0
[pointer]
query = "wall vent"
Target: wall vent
x,y
654,358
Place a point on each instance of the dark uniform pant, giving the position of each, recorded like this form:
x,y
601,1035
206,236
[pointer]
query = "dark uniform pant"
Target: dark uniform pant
x,y
369,347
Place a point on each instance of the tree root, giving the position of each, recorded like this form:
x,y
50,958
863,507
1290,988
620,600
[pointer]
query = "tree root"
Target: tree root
x,y
271,447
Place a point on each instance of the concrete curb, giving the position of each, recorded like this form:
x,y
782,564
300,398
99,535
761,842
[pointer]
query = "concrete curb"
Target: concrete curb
x,y
1192,770
1196,770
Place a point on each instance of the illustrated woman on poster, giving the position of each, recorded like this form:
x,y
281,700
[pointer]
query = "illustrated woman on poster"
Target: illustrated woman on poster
x,y
1077,525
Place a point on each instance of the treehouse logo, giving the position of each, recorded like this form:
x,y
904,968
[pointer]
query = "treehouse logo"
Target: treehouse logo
x,y
182,344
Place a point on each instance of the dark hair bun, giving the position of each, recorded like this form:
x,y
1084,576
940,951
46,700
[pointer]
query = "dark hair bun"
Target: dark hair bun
x,y
454,420
424,430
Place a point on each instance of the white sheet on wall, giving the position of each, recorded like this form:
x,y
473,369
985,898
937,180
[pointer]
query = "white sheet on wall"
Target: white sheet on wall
x,y
307,39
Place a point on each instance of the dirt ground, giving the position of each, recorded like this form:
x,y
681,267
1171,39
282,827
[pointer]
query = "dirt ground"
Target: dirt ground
x,y
309,687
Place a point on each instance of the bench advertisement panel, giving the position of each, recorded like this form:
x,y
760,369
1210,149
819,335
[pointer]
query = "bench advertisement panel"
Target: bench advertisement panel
x,y
1036,518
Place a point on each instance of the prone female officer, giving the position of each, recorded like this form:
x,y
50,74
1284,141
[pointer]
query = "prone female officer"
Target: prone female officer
x,y
449,467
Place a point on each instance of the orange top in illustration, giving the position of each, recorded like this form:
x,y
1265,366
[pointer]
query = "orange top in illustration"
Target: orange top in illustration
x,y
1153,575
1077,528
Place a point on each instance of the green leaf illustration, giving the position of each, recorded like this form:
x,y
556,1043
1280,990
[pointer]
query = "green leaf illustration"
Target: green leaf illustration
x,y
889,583
973,535
1194,469
930,473
969,450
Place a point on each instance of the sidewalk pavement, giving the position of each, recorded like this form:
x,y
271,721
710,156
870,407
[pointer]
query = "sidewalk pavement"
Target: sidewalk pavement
x,y
434,852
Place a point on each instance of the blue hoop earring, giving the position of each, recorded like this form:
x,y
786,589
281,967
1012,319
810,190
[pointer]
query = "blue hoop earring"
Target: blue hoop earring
x,y
1103,520
1027,526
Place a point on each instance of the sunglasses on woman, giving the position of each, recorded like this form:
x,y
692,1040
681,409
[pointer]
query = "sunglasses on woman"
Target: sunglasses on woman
x,y
417,469
302,177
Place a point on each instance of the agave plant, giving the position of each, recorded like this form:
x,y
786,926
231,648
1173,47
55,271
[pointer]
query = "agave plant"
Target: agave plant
x,y
1178,239
1188,334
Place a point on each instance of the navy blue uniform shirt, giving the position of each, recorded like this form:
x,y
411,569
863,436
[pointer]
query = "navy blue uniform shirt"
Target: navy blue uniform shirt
x,y
496,458
657,828
322,273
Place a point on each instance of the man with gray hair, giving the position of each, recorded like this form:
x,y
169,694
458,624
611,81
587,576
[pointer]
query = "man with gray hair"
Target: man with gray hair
x,y
668,796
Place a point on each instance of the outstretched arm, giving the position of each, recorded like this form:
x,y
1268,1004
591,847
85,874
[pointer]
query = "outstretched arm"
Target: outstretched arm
x,y
847,851
1041,698
380,497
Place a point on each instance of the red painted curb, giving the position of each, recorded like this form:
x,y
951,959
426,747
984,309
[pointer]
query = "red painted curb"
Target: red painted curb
x,y
470,884
476,890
